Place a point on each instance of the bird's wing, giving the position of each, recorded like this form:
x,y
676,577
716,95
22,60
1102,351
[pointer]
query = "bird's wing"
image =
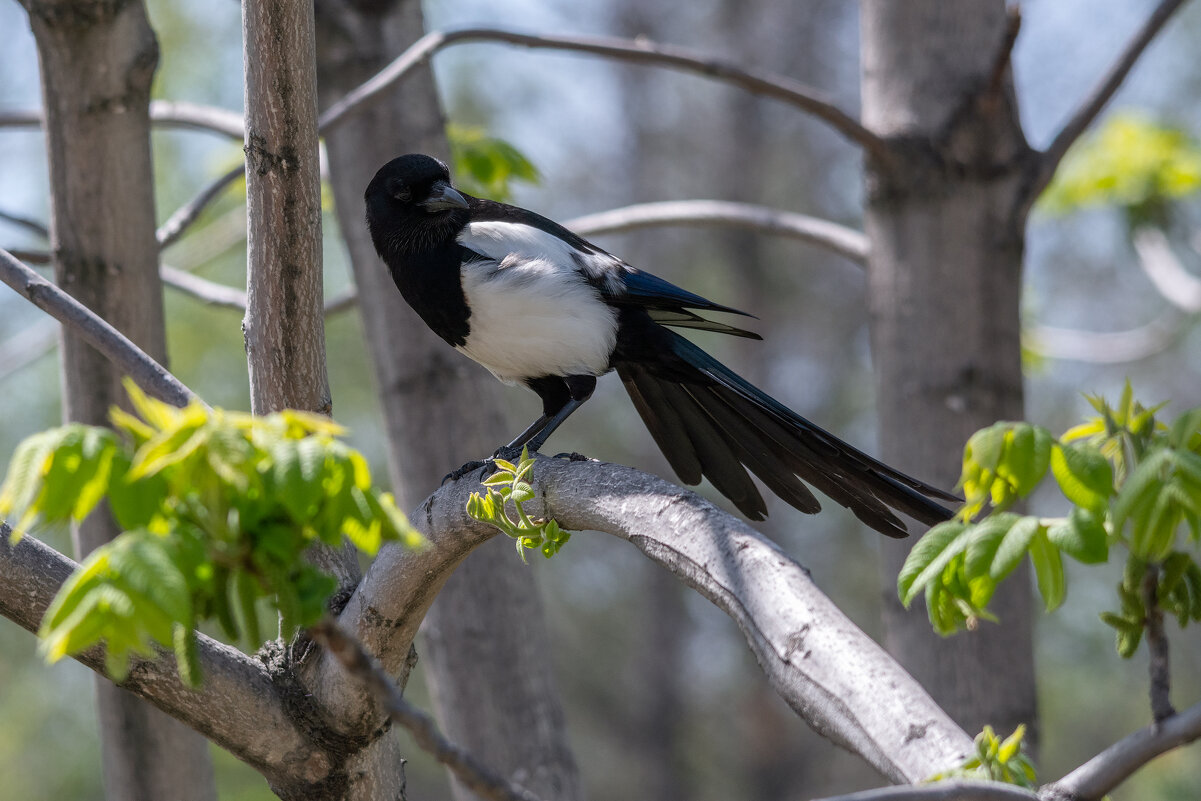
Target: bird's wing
x,y
510,235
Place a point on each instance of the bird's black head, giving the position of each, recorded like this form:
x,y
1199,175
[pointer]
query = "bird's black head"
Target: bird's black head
x,y
411,206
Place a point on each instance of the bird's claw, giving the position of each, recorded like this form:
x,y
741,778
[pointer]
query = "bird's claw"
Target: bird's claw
x,y
455,475
508,453
574,457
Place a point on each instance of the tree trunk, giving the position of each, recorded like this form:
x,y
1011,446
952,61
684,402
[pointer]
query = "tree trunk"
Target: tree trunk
x,y
946,223
97,63
486,636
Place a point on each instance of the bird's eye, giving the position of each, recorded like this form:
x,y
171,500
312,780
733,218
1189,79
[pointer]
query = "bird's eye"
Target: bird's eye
x,y
400,191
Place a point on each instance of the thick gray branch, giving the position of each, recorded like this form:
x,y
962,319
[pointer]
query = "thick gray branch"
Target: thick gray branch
x,y
1100,96
237,707
831,673
640,51
132,360
814,231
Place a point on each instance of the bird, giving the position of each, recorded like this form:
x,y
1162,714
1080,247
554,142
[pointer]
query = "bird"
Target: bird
x,y
541,307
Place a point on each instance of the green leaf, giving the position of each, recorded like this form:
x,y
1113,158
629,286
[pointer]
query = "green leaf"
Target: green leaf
x,y
1081,536
1048,569
1014,546
1026,457
928,558
1084,475
1185,429
187,655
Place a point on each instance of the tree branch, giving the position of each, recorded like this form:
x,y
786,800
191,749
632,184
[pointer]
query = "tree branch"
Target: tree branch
x,y
639,51
831,673
1177,285
149,374
1049,160
1157,646
1115,764
238,706
187,214
351,654
170,113
1108,347
210,292
33,226
844,241
959,790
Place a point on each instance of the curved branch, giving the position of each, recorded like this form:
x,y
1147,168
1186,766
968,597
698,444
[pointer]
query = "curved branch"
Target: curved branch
x,y
1115,764
187,214
639,51
960,790
831,673
844,241
149,374
237,706
1108,347
33,226
1177,285
170,113
1049,160
204,290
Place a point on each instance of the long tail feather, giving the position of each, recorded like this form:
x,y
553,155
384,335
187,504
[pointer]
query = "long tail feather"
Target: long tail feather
x,y
710,422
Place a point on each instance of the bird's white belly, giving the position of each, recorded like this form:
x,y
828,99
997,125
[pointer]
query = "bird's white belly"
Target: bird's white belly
x,y
531,319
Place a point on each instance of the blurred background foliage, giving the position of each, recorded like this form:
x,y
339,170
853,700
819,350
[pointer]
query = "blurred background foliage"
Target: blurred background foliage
x,y
664,700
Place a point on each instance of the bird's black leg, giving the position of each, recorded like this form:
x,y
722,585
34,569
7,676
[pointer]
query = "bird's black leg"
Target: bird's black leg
x,y
560,397
579,388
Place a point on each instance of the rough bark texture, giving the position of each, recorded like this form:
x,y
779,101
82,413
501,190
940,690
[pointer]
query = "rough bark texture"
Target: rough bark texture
x,y
486,644
946,227
284,325
97,63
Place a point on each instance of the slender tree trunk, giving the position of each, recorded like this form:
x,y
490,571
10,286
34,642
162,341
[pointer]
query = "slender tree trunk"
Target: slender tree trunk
x,y
97,63
486,639
946,224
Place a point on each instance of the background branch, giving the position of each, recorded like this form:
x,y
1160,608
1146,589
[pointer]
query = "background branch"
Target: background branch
x,y
132,360
943,791
635,50
840,239
1049,160
170,113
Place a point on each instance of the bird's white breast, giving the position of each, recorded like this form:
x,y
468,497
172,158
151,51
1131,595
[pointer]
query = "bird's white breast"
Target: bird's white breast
x,y
532,311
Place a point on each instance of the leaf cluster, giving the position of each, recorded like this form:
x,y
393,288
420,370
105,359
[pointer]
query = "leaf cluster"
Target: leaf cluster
x,y
1131,162
485,165
997,760
509,484
217,509
1132,481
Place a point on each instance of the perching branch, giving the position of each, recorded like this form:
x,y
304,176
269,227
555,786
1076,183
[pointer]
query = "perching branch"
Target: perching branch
x,y
1049,160
351,654
1101,774
639,51
961,790
149,374
831,673
844,241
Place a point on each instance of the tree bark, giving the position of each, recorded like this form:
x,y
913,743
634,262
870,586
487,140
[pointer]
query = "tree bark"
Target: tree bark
x,y
97,63
486,644
946,225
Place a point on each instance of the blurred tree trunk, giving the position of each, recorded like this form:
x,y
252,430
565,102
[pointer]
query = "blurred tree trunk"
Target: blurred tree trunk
x,y
946,224
485,636
97,63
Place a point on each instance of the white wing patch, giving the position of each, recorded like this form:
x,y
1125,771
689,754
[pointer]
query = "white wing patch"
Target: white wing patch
x,y
532,312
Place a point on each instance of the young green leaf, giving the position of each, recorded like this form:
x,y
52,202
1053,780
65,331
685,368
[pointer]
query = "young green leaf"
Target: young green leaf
x,y
1083,474
1048,570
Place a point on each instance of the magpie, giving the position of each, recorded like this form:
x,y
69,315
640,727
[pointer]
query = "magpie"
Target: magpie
x,y
539,306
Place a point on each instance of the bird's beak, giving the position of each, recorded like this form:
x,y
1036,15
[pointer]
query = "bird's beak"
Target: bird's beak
x,y
442,197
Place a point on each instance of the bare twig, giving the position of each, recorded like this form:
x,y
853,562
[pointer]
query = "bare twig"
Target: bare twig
x,y
942,791
1005,53
1157,645
360,664
187,214
844,241
41,258
162,112
1049,160
149,374
636,50
31,225
1115,764
1108,347
1177,285
202,289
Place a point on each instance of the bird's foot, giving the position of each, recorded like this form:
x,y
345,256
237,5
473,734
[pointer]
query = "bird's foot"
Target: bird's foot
x,y
455,475
508,453
574,457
